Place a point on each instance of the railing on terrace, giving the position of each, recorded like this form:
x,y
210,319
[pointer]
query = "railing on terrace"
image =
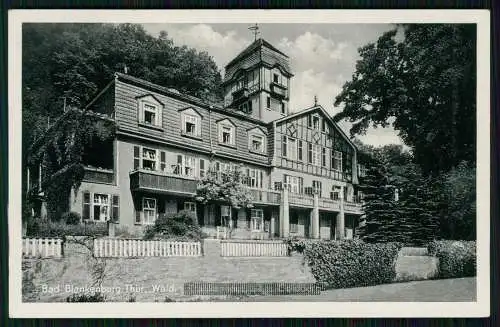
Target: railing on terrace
x,y
160,181
265,196
118,248
301,199
99,175
278,89
42,247
231,248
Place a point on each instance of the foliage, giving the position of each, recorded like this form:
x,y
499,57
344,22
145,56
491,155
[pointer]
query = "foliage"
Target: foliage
x,y
71,218
225,187
420,82
458,190
48,228
60,152
352,263
297,244
179,226
84,297
456,258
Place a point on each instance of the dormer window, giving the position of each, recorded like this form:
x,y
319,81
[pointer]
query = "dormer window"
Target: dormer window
x,y
191,122
256,140
226,132
150,111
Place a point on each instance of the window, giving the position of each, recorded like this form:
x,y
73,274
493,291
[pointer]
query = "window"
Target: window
x,y
284,146
283,108
150,114
337,160
323,126
294,183
254,177
149,159
189,166
315,153
148,210
335,193
257,219
323,157
309,121
191,125
268,102
97,206
256,143
292,149
101,207
294,223
225,215
362,170
190,206
316,122
226,133
275,78
202,170
316,185
300,150
309,153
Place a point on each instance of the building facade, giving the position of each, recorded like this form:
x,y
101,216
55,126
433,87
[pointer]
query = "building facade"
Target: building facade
x,y
300,168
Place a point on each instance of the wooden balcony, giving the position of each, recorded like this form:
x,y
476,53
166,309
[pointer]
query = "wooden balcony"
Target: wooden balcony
x,y
325,204
279,89
99,175
262,196
152,181
240,95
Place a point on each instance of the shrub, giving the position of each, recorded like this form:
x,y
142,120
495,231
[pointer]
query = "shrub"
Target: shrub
x,y
351,263
456,258
47,228
297,244
83,297
71,218
179,226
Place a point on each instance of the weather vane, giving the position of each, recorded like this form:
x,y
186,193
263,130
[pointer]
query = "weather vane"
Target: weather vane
x,y
315,100
255,30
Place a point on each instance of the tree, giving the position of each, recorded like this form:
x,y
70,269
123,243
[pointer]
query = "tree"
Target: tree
x,y
424,82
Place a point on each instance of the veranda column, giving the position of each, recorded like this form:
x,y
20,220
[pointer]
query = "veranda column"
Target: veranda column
x,y
340,227
315,217
284,214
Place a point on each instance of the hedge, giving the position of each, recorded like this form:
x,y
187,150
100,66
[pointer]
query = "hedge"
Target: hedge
x,y
47,228
351,263
456,258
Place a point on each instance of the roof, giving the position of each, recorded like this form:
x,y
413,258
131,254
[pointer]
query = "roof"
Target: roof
x,y
271,58
188,98
325,114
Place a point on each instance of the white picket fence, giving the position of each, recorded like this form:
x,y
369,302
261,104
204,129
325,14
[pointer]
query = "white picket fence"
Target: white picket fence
x,y
42,247
122,248
253,249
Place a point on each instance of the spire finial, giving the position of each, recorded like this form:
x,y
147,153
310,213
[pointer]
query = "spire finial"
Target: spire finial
x,y
315,100
255,30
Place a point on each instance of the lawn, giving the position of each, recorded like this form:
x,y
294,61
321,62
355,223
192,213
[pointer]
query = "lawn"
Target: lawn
x,y
442,290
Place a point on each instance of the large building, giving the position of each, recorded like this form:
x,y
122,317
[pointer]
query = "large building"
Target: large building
x,y
300,167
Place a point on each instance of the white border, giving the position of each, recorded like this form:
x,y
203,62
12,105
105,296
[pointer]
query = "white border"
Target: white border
x,y
481,308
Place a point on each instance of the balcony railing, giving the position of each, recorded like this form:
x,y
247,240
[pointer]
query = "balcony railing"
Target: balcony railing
x,y
142,180
279,89
240,95
307,201
302,200
265,196
99,175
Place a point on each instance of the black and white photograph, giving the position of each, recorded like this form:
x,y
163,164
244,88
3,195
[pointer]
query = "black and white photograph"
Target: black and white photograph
x,y
249,162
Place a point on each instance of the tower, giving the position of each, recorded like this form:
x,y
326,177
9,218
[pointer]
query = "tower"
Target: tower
x,y
257,82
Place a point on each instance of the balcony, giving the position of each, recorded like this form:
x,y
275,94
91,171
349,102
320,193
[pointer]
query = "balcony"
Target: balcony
x,y
279,89
152,181
99,175
240,95
301,200
261,196
326,204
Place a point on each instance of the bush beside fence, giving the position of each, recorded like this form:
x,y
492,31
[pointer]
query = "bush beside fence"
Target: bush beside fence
x,y
456,258
47,228
351,263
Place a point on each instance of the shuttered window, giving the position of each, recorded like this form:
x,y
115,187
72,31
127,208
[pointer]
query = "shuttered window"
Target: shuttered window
x,y
284,147
86,206
137,159
115,209
202,168
163,165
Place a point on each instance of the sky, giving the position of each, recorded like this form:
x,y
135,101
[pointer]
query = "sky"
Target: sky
x,y
322,56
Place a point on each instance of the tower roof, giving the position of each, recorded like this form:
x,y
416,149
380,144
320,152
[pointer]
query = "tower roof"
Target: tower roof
x,y
268,55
